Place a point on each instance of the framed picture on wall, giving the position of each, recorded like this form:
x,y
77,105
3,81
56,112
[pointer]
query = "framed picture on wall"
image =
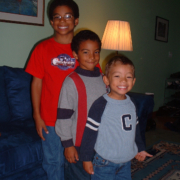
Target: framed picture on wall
x,y
161,30
22,11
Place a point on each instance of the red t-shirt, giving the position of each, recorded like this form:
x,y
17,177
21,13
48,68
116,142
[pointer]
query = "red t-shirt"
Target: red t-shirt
x,y
51,62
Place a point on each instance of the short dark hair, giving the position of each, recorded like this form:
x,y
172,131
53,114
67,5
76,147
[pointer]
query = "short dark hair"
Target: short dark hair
x,y
70,3
84,35
122,59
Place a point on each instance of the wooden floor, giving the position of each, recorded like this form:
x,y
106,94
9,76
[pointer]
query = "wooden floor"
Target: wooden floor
x,y
161,121
161,132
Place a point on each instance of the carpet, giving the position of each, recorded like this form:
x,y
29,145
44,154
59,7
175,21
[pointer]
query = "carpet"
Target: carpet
x,y
164,165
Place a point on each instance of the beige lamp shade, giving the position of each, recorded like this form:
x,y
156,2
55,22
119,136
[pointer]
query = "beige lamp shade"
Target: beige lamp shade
x,y
117,36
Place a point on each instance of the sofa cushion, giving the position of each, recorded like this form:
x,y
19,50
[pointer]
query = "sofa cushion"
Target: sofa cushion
x,y
145,105
20,146
18,84
33,171
5,111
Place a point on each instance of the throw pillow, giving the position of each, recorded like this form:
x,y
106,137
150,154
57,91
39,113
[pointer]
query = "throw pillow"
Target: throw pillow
x,y
18,84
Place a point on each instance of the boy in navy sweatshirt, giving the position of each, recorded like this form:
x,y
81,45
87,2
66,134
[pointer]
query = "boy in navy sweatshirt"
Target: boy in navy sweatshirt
x,y
112,129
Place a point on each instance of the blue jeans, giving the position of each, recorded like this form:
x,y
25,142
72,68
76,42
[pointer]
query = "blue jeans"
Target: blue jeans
x,y
75,171
53,155
106,170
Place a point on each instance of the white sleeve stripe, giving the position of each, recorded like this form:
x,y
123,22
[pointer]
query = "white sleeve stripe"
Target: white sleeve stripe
x,y
137,120
93,122
91,127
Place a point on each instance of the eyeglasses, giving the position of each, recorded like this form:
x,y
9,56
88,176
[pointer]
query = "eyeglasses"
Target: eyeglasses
x,y
65,17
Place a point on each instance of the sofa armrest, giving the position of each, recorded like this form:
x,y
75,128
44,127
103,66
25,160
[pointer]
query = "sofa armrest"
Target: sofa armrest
x,y
145,105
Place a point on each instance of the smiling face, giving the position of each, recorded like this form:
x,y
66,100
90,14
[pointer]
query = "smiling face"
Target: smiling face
x,y
63,26
88,54
120,79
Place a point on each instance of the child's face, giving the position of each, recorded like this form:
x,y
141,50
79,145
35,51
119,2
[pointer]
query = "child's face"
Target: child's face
x,y
120,79
63,26
88,54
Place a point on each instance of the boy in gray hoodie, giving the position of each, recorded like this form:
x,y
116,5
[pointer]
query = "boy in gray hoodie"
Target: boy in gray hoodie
x,y
80,89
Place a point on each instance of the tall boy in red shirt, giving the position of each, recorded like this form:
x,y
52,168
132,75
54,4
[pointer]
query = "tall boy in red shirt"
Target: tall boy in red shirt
x,y
50,62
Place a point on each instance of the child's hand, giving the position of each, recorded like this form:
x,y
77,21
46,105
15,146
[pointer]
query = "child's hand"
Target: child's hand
x,y
88,167
142,155
71,154
36,89
40,126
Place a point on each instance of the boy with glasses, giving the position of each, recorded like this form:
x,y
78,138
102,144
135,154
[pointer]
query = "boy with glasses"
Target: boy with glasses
x,y
51,61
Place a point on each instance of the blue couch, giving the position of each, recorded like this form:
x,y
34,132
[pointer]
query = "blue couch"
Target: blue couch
x,y
20,146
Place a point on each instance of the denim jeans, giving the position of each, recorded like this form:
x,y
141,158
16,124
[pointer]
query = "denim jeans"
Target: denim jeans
x,y
53,155
75,171
106,170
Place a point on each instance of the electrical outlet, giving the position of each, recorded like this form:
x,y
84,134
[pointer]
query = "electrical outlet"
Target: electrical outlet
x,y
169,54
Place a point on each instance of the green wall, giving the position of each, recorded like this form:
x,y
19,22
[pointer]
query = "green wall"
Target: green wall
x,y
149,56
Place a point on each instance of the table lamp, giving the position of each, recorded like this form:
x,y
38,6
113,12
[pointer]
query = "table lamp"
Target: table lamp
x,y
117,36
